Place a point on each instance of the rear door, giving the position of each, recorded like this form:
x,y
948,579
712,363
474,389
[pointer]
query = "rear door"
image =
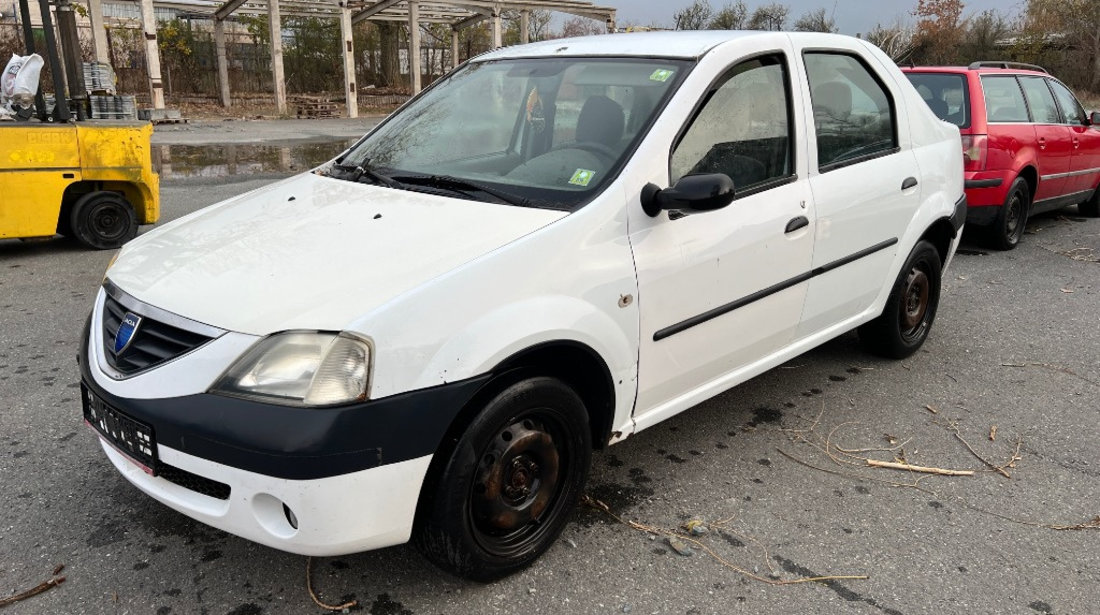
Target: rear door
x,y
865,183
1012,128
1084,166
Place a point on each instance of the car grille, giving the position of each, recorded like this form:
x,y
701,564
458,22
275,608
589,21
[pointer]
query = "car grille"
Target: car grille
x,y
194,482
153,343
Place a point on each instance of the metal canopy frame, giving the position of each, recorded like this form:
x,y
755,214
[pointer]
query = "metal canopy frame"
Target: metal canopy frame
x,y
459,14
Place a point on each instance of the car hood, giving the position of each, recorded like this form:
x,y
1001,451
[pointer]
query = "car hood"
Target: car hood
x,y
311,252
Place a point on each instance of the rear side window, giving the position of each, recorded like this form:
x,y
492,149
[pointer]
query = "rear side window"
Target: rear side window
x,y
853,113
1072,113
945,94
1003,100
1041,101
743,128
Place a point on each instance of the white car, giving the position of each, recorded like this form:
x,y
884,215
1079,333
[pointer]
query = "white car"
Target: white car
x,y
554,247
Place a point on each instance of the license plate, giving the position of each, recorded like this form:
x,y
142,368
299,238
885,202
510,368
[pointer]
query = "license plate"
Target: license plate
x,y
126,435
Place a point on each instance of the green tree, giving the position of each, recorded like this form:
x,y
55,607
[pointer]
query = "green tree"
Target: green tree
x,y
733,16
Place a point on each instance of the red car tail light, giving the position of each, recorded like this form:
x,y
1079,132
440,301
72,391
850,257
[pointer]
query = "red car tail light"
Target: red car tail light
x,y
975,150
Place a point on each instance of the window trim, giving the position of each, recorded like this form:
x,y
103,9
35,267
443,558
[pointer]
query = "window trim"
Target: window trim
x,y
1050,81
718,82
1030,111
847,162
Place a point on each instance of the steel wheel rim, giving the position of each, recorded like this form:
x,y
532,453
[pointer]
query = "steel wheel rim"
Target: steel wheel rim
x,y
1014,217
107,221
518,483
915,304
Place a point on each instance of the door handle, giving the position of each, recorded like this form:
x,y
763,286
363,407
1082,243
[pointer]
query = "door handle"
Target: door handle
x,y
908,183
797,223
1042,143
1076,143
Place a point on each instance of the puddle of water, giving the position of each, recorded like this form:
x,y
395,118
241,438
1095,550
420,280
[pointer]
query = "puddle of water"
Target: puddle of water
x,y
182,161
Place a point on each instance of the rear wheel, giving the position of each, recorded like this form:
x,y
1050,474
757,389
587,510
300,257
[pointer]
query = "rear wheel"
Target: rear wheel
x,y
1091,207
103,220
1008,226
907,318
506,491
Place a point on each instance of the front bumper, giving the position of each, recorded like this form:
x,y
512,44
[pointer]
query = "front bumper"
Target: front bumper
x,y
310,481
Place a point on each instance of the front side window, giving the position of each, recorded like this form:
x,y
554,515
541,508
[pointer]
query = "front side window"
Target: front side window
x,y
1072,113
1003,100
544,132
1041,101
743,128
946,94
853,113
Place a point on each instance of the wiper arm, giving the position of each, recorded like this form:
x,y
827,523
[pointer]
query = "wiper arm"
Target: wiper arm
x,y
465,186
358,172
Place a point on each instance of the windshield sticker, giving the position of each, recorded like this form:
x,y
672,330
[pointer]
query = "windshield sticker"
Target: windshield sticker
x,y
661,74
581,177
535,116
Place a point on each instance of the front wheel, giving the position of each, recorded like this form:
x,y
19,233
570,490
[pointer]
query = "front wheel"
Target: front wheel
x,y
103,220
1008,226
910,309
505,493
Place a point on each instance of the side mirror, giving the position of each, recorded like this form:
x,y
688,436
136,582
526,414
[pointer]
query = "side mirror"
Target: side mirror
x,y
1094,118
692,193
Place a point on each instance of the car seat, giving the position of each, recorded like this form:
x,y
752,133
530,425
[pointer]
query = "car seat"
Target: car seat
x,y
602,122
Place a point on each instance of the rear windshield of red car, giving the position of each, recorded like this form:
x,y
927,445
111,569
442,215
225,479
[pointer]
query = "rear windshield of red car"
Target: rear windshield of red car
x,y
946,94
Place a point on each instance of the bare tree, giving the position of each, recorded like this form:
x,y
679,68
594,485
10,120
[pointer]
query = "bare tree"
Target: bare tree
x,y
984,36
1074,26
769,17
734,16
694,17
815,21
896,41
537,25
581,26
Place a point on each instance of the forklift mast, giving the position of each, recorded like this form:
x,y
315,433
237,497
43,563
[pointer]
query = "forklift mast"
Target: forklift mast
x,y
70,47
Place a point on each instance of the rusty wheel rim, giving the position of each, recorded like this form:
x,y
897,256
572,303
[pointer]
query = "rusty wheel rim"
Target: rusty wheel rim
x,y
518,482
914,312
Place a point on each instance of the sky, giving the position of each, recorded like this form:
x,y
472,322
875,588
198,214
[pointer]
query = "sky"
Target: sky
x,y
852,16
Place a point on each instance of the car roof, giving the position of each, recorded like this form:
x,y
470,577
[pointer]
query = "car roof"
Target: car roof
x,y
962,70
680,44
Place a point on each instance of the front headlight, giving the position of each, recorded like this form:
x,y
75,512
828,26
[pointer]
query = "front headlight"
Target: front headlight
x,y
300,368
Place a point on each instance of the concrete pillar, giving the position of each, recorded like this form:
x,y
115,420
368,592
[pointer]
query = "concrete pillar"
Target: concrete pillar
x,y
278,78
349,62
454,48
497,39
99,31
524,27
414,45
152,54
223,63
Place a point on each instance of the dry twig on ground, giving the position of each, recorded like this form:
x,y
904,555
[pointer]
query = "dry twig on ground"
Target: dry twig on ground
x,y
316,600
54,581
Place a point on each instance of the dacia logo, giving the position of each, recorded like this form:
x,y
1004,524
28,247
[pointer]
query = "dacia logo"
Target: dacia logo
x,y
126,331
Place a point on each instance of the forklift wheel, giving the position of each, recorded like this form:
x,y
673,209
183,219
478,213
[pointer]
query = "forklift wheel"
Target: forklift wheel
x,y
103,220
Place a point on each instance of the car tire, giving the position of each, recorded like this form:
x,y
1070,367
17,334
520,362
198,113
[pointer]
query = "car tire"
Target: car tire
x,y
1008,226
103,220
910,309
1091,207
506,491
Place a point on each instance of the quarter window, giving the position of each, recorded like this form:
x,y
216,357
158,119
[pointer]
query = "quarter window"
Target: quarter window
x,y
1039,98
743,128
853,113
1003,100
1072,113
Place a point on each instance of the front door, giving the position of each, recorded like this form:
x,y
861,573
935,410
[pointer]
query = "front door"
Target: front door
x,y
719,290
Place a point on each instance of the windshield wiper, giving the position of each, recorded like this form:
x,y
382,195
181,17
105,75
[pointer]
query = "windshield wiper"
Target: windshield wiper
x,y
358,172
464,186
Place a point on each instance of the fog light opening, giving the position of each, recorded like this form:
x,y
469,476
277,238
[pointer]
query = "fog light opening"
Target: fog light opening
x,y
291,518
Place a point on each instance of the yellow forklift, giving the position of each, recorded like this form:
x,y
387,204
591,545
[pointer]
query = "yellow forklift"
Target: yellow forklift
x,y
63,173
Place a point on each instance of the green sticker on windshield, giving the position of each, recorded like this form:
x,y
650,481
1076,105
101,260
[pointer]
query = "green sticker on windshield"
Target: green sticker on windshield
x,y
581,177
661,74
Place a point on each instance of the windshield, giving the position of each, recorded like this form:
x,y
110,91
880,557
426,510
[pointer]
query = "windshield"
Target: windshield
x,y
544,132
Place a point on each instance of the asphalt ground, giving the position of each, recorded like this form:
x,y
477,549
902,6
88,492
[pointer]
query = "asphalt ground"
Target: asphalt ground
x,y
1016,345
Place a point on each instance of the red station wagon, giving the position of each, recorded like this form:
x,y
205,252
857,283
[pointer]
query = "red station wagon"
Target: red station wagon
x,y
1028,145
